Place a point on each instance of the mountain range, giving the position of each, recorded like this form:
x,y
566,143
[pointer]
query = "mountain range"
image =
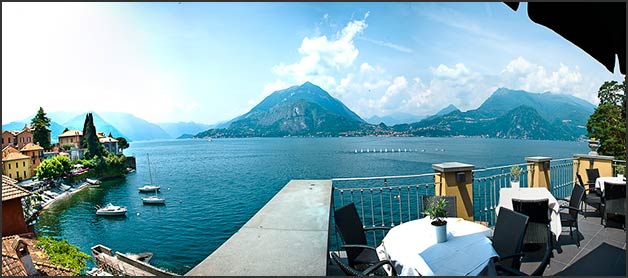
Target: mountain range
x,y
307,110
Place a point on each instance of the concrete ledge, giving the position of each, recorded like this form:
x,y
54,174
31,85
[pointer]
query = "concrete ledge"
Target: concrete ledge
x,y
287,237
601,157
452,167
537,158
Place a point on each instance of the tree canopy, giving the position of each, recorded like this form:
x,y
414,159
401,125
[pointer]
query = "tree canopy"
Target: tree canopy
x,y
608,121
41,133
53,168
90,139
122,143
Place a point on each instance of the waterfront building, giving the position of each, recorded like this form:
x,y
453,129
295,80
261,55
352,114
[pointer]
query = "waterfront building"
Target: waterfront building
x,y
110,144
17,138
72,137
36,153
15,165
13,222
20,257
100,135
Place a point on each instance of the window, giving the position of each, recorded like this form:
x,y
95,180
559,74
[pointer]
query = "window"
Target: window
x,y
71,140
10,176
24,163
17,175
24,173
9,165
28,139
16,165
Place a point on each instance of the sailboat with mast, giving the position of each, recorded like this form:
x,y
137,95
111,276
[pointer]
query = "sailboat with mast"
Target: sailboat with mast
x,y
149,187
152,200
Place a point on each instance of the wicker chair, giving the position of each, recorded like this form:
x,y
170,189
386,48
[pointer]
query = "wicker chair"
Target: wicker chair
x,y
372,270
614,201
591,197
360,255
570,218
538,234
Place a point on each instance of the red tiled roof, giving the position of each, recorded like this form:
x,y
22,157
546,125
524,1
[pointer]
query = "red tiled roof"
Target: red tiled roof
x,y
31,147
69,133
14,156
10,190
11,265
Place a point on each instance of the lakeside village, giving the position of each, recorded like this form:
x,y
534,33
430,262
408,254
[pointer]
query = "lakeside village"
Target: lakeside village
x,y
35,175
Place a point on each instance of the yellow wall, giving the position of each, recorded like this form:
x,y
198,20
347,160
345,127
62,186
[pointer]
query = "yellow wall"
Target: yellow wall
x,y
445,185
605,166
18,169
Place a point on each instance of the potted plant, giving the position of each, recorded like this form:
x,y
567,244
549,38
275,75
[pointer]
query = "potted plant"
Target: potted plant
x,y
620,172
515,172
436,211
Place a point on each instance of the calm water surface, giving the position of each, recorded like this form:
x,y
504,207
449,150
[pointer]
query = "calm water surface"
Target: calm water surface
x,y
213,188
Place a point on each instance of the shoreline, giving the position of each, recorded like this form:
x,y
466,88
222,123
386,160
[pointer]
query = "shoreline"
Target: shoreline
x,y
64,195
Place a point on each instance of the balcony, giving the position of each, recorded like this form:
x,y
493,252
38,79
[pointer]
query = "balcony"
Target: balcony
x,y
294,233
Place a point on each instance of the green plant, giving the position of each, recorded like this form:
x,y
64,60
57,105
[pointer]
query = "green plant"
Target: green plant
x,y
62,253
620,169
515,171
436,211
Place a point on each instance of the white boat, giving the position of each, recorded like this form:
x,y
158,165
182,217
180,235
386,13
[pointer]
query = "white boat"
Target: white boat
x,y
149,188
111,210
153,200
65,187
92,181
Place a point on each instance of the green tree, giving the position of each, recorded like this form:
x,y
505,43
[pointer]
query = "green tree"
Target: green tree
x,y
53,168
41,133
608,121
90,139
122,143
64,130
64,254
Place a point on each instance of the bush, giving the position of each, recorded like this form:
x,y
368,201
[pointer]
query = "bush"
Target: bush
x,y
64,254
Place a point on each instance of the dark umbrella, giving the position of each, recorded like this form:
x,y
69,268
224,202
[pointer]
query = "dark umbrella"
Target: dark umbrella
x,y
597,28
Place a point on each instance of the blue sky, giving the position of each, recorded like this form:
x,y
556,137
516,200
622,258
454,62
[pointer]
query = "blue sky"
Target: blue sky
x,y
210,62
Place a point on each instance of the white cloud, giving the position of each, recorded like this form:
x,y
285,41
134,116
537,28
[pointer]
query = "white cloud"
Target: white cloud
x,y
389,45
442,71
322,56
366,68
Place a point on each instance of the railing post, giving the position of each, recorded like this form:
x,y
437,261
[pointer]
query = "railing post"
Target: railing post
x,y
456,179
603,163
539,171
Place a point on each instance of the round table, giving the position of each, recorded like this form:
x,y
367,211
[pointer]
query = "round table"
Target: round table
x,y
599,182
412,248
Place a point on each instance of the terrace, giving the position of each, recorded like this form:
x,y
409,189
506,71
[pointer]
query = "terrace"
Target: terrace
x,y
294,234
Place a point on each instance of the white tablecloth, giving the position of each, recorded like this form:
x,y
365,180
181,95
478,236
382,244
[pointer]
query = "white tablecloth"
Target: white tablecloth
x,y
599,182
413,249
507,194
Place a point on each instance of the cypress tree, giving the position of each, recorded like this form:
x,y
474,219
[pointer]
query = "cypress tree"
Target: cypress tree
x,y
41,133
90,139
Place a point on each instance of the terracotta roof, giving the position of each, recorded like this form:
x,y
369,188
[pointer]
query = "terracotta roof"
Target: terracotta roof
x,y
31,147
10,149
69,133
11,265
14,156
100,135
107,140
10,190
12,132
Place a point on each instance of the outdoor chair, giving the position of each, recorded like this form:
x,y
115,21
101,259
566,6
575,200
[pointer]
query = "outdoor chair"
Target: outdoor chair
x,y
360,255
591,197
614,201
592,175
372,270
538,235
508,237
570,218
450,207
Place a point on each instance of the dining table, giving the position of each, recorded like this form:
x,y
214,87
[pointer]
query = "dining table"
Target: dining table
x,y
414,251
532,193
599,182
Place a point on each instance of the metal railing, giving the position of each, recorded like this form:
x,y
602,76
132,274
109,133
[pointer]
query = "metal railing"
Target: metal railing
x,y
486,185
561,177
381,201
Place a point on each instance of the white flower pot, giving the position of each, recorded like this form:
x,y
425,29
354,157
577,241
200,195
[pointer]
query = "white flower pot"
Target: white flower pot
x,y
514,184
621,176
441,233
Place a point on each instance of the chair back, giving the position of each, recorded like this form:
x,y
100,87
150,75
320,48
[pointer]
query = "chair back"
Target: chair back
x,y
537,210
350,228
577,194
508,235
450,207
592,175
614,191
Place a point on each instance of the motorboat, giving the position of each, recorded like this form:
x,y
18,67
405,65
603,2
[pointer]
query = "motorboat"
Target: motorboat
x,y
149,188
65,187
153,200
111,210
93,181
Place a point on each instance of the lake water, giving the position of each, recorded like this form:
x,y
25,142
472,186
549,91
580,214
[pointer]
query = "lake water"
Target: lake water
x,y
213,188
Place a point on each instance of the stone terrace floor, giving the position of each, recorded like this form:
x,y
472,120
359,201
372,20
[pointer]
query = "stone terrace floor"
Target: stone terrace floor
x,y
600,252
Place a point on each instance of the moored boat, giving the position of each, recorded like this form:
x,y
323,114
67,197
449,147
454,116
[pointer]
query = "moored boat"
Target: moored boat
x,y
93,181
149,188
153,200
111,210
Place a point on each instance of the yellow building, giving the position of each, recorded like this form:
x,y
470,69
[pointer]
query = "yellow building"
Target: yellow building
x,y
73,137
16,165
36,153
